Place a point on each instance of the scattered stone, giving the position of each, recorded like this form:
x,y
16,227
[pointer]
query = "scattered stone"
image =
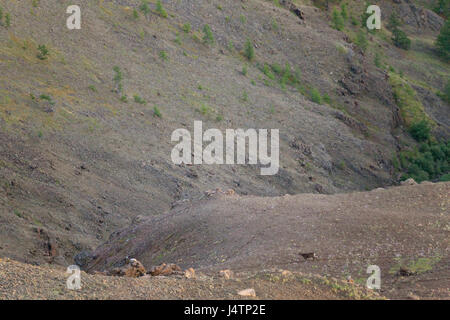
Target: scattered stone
x,y
247,293
230,192
189,273
408,182
134,269
352,123
165,270
286,273
288,4
412,296
350,280
227,274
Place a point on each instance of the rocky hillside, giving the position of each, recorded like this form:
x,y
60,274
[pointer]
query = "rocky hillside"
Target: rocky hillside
x,y
23,281
86,115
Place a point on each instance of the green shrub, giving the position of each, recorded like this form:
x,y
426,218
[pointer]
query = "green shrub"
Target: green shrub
x,y
208,36
163,55
442,7
267,72
420,130
244,70
144,7
249,51
446,94
47,98
177,39
135,14
230,46
124,98
274,25
244,96
361,40
344,11
430,161
277,68
160,9
156,112
326,98
43,52
139,100
315,96
400,39
394,21
289,77
443,42
186,27
377,60
7,20
204,109
337,21
118,76
364,17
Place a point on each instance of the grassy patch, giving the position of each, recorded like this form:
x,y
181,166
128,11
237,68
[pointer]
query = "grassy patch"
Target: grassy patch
x,y
139,100
421,265
429,161
160,9
315,96
163,55
43,52
157,112
411,109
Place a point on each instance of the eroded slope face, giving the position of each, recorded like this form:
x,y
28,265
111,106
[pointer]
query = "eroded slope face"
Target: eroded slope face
x,y
392,228
77,167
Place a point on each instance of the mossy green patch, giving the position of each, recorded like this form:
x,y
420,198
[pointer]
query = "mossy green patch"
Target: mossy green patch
x,y
411,109
418,266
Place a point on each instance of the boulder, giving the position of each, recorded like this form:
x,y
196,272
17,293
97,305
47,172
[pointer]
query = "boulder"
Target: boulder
x,y
83,258
165,270
189,273
227,274
247,293
134,269
408,182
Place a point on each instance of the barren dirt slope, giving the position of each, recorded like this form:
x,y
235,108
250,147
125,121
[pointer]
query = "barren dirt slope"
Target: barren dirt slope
x,y
404,226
